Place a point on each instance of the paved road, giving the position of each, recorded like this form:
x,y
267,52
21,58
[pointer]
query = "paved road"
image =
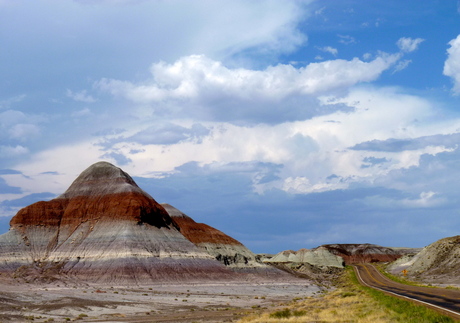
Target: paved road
x,y
445,300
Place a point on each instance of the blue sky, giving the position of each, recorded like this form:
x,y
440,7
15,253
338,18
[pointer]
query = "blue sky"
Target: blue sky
x,y
285,124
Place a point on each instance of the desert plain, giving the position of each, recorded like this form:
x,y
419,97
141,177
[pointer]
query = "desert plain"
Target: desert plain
x,y
189,302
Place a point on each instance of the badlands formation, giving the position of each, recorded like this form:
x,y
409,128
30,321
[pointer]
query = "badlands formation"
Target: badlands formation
x,y
338,255
105,229
365,252
437,263
317,257
108,250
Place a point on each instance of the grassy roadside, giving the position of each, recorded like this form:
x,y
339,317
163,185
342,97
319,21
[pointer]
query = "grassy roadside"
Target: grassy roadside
x,y
399,279
382,269
349,302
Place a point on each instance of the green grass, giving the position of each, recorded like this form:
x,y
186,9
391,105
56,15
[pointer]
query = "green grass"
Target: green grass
x,y
287,313
399,279
348,302
405,311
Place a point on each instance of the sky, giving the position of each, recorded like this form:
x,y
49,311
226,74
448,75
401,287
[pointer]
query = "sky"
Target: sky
x,y
284,124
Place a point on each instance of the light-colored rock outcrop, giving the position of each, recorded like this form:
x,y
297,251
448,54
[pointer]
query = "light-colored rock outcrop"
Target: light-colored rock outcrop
x,y
438,263
317,257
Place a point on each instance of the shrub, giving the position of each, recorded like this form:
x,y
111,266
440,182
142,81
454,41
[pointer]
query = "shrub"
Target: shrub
x,y
283,314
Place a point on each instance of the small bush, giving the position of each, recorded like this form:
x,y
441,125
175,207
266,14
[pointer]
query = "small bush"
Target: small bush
x,y
347,294
299,313
283,314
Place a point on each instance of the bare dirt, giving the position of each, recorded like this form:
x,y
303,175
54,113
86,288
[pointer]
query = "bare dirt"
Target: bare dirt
x,y
207,302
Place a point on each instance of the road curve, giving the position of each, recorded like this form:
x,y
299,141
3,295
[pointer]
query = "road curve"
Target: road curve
x,y
446,301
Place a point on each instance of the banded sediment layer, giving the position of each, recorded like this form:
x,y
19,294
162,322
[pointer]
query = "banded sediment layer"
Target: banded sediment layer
x,y
224,248
363,253
103,229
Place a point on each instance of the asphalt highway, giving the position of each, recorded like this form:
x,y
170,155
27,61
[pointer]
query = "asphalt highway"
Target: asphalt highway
x,y
446,301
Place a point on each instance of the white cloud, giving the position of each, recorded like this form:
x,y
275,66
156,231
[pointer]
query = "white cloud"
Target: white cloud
x,y
329,49
17,125
424,200
5,104
199,82
402,65
23,132
302,185
346,39
452,64
10,151
408,45
81,113
11,117
81,96
320,11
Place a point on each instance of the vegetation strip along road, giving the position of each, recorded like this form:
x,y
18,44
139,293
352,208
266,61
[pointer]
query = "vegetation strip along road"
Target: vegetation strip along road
x,y
446,301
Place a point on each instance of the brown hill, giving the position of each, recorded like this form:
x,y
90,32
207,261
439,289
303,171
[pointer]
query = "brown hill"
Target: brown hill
x,y
104,228
224,248
359,253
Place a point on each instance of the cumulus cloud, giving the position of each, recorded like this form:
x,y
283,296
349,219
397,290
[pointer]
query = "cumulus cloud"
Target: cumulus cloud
x,y
407,44
452,64
217,92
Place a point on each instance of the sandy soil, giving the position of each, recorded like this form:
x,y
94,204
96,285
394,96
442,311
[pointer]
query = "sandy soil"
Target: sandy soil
x,y
206,302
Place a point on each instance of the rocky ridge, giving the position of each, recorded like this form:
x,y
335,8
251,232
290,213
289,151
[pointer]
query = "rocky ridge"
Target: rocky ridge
x,y
337,255
438,262
320,257
363,253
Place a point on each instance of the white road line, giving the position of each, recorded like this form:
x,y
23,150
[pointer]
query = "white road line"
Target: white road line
x,y
414,299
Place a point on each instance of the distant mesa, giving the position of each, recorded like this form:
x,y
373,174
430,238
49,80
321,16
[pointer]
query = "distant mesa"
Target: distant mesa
x,y
320,256
338,255
363,253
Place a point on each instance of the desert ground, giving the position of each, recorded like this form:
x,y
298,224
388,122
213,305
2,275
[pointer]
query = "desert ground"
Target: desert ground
x,y
197,302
